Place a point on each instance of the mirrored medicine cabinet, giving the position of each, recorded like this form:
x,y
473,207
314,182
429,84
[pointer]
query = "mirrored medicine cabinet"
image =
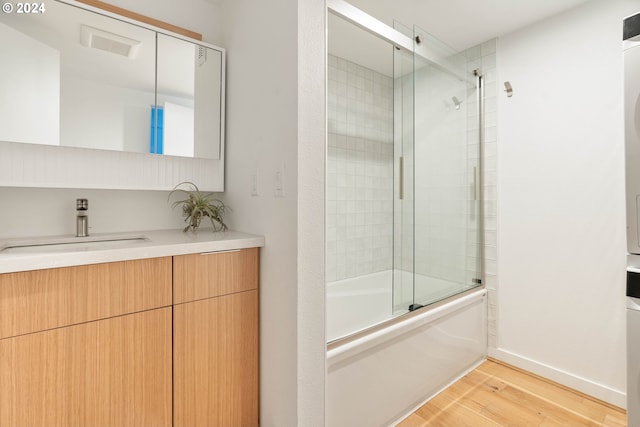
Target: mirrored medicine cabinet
x,y
83,86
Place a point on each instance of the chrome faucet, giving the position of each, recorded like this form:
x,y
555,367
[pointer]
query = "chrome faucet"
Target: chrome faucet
x,y
82,220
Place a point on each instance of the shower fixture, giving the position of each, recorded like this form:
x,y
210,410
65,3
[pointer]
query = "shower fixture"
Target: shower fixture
x,y
508,89
456,102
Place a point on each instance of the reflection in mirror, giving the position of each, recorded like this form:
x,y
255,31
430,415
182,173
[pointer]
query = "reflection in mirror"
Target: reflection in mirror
x,y
183,115
88,76
77,78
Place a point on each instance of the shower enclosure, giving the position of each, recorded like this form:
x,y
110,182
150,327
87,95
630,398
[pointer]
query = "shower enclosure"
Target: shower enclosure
x,y
403,172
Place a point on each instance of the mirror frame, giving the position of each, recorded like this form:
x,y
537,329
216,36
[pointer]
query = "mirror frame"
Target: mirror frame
x,y
43,166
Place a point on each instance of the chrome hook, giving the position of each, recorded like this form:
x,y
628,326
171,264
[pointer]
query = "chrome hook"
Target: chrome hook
x,y
508,89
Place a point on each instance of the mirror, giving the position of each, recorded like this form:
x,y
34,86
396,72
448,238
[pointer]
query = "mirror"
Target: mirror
x,y
188,96
77,78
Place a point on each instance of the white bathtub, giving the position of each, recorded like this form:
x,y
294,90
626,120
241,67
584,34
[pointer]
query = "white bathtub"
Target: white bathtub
x,y
364,301
357,303
377,378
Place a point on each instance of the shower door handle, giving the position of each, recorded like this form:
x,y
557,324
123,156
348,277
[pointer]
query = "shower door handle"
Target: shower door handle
x,y
401,177
475,183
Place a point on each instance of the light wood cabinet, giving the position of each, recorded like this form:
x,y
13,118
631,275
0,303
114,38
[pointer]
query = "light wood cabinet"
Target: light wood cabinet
x,y
207,275
87,345
216,340
169,341
37,300
113,372
215,361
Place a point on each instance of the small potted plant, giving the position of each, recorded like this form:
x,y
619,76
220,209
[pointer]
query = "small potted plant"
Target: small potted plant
x,y
199,205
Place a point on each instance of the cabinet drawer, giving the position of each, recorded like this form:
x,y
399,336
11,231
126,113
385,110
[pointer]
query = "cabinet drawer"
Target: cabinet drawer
x,y
213,274
33,301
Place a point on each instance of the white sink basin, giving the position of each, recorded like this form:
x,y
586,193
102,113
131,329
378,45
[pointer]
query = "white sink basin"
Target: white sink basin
x,y
71,244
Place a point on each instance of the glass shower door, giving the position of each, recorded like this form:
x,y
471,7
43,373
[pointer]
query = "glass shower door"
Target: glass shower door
x,y
402,160
446,171
403,209
360,179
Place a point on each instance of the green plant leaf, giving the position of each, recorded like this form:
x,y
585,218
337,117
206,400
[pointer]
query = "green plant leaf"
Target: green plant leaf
x,y
199,205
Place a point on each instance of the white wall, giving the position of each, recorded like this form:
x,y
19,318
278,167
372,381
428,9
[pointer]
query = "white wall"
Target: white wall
x,y
28,212
261,136
561,259
207,75
29,89
178,130
311,337
201,16
275,121
98,115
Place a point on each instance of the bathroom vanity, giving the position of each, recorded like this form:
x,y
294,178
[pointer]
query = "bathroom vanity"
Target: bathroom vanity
x,y
159,332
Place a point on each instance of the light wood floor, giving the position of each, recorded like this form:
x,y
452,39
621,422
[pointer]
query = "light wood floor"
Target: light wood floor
x,y
495,394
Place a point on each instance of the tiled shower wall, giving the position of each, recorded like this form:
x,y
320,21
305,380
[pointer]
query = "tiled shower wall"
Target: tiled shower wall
x,y
483,57
359,171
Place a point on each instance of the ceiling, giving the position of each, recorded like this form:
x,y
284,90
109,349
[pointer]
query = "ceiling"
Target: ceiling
x,y
465,23
459,24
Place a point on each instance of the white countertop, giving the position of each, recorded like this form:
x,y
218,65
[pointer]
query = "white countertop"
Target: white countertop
x,y
156,243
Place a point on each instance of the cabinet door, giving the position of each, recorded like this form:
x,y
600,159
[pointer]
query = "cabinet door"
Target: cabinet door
x,y
216,361
114,372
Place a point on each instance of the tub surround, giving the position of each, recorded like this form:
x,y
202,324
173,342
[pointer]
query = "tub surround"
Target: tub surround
x,y
158,243
382,377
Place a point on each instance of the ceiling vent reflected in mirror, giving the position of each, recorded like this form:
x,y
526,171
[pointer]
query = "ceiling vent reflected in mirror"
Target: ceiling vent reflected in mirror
x,y
110,42
202,55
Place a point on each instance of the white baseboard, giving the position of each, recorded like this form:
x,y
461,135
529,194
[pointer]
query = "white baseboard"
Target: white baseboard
x,y
584,385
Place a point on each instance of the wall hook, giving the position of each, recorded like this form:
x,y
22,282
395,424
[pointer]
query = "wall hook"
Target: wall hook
x,y
508,89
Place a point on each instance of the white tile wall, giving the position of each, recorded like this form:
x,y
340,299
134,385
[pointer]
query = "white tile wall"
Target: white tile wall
x,y
359,171
483,58
488,69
